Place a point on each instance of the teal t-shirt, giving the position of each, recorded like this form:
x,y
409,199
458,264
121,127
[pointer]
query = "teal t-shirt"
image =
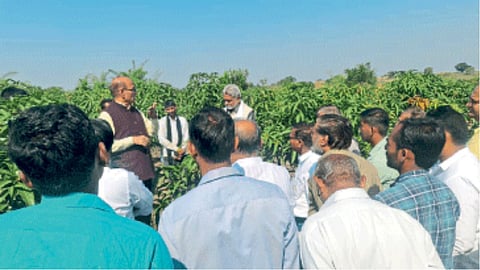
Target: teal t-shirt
x,y
78,231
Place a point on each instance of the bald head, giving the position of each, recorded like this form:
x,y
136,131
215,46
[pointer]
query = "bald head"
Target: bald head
x,y
123,90
249,137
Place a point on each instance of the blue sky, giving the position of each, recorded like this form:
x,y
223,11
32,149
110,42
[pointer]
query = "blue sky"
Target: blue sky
x,y
56,42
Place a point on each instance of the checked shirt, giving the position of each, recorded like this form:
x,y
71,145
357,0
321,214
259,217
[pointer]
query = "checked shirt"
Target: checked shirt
x,y
429,201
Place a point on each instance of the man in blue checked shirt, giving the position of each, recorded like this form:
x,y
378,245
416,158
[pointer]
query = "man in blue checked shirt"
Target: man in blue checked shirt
x,y
412,148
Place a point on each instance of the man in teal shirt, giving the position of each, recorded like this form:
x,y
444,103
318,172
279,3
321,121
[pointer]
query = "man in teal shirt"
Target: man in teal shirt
x,y
373,129
56,150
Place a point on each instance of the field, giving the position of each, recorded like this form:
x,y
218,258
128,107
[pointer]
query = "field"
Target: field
x,y
277,108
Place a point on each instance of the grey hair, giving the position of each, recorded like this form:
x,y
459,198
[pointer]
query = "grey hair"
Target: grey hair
x,y
328,109
232,90
338,168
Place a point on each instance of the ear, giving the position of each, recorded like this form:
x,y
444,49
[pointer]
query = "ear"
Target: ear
x,y
322,188
363,181
191,149
235,143
103,155
25,179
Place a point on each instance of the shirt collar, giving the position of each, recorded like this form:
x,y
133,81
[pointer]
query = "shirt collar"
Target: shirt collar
x,y
219,173
454,158
305,156
379,147
76,200
409,174
345,194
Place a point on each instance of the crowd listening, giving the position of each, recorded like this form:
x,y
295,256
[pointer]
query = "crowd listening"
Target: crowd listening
x,y
411,202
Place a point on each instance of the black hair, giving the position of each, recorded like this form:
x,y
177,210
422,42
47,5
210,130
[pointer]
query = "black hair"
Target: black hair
x,y
376,117
212,132
55,147
103,133
424,137
337,128
303,131
453,122
104,102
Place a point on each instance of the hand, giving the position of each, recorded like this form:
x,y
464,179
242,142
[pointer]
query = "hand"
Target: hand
x,y
152,111
141,140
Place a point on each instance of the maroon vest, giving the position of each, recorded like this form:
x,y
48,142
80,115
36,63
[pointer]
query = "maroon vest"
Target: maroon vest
x,y
135,158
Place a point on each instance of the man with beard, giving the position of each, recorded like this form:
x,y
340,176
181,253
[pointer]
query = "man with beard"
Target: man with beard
x,y
234,105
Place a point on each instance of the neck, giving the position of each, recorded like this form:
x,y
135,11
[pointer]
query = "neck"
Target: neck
x,y
237,155
120,101
376,138
206,166
449,150
409,167
304,150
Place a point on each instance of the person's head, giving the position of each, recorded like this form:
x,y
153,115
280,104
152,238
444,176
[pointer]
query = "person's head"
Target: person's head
x,y
453,123
232,96
105,103
373,123
335,172
301,137
104,135
414,142
123,90
212,135
328,109
249,137
170,108
411,112
56,149
473,102
332,131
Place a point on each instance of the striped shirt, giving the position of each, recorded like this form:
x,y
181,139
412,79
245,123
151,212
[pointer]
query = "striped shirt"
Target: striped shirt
x,y
429,201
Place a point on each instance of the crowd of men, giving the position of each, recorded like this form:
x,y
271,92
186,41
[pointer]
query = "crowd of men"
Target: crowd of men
x,y
413,202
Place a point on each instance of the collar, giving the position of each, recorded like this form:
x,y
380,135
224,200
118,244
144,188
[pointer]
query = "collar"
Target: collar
x,y
346,194
411,174
76,200
249,160
306,156
218,174
454,158
128,107
379,147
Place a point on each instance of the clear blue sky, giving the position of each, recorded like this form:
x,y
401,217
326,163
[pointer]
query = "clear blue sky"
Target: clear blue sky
x,y
56,42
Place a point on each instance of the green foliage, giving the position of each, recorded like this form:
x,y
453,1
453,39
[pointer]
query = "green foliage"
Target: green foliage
x,y
463,67
277,108
361,74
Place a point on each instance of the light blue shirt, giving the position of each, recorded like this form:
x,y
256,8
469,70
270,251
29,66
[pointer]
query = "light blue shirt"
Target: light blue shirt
x,y
231,221
78,231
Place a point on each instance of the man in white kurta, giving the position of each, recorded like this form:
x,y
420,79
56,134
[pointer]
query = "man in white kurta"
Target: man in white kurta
x,y
352,231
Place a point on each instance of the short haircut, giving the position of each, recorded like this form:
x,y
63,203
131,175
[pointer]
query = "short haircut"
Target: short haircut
x,y
414,112
212,132
376,117
249,142
169,103
103,132
453,122
424,137
55,147
104,102
303,131
337,128
328,109
336,168
116,85
232,90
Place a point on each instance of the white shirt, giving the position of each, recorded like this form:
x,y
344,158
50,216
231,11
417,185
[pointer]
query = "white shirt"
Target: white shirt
x,y
162,134
255,167
125,193
460,173
300,183
352,231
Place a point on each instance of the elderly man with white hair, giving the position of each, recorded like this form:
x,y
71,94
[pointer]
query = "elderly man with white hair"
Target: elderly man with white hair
x,y
234,105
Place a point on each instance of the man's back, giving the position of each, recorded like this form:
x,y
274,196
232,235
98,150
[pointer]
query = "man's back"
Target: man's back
x,y
255,167
429,201
78,231
352,231
231,221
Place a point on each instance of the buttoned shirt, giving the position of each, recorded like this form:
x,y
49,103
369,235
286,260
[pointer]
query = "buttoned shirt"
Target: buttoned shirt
x,y
429,201
79,231
172,144
461,174
300,183
255,167
352,231
125,193
378,158
231,221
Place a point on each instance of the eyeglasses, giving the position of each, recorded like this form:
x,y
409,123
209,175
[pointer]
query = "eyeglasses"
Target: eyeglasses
x,y
131,89
473,101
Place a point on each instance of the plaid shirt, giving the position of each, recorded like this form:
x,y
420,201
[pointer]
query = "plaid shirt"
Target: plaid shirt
x,y
429,201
